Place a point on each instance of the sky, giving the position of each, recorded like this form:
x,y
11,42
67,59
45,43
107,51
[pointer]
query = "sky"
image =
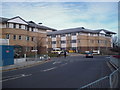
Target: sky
x,y
64,15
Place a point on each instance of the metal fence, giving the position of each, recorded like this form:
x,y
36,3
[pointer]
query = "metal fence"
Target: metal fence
x,y
110,81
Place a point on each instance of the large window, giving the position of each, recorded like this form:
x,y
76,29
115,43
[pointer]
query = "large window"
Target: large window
x,y
27,38
32,29
53,42
14,37
32,38
14,25
73,41
7,36
20,37
63,42
20,26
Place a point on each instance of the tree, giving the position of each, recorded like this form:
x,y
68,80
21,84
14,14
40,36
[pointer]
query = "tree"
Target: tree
x,y
39,44
116,44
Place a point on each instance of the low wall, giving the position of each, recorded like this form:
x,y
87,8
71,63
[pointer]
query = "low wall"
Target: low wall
x,y
19,60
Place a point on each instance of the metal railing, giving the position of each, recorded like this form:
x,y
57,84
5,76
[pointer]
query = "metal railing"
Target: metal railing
x,y
110,81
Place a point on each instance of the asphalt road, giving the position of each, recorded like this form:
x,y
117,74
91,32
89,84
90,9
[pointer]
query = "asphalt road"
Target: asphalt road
x,y
70,72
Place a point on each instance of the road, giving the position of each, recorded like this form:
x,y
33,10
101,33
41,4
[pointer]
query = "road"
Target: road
x,y
70,72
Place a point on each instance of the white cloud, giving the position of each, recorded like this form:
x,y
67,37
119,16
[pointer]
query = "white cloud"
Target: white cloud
x,y
60,16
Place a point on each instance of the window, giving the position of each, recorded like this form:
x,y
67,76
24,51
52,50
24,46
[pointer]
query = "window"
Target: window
x,y
73,34
27,28
91,41
73,41
54,36
14,37
7,25
14,25
53,42
68,34
20,26
98,41
7,36
48,36
32,39
78,41
20,37
62,35
27,38
62,42
32,29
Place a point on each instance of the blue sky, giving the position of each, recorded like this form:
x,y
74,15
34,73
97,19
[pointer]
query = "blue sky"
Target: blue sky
x,y
63,15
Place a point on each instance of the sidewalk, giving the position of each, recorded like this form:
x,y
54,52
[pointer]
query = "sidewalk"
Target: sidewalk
x,y
22,65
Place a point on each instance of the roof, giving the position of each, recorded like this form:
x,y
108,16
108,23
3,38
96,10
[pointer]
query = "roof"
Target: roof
x,y
3,19
79,29
106,31
30,23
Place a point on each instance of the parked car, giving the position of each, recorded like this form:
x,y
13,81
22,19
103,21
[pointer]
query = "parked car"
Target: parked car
x,y
56,50
96,52
89,54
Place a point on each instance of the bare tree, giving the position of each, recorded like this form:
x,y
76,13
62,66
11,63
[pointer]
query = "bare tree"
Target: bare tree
x,y
39,41
116,44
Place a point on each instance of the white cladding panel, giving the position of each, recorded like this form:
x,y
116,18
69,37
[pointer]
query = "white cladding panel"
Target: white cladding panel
x,y
30,29
63,38
22,26
63,45
10,25
0,25
17,25
74,37
4,41
53,45
18,20
74,44
53,39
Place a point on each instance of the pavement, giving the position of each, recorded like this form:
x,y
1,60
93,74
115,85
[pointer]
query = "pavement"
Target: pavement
x,y
21,65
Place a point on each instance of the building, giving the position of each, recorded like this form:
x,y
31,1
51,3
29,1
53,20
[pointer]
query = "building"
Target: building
x,y
80,39
25,36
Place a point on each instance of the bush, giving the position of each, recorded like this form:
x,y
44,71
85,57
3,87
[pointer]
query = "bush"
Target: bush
x,y
52,54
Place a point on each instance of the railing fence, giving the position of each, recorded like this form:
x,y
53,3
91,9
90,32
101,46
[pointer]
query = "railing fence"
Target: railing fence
x,y
110,81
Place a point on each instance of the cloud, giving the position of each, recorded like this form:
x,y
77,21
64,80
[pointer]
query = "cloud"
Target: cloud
x,y
60,1
61,15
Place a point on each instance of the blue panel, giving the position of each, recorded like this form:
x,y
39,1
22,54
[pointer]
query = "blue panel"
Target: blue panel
x,y
7,55
0,55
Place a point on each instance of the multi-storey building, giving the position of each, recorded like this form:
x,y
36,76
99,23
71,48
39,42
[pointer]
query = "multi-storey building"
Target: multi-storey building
x,y
80,39
24,35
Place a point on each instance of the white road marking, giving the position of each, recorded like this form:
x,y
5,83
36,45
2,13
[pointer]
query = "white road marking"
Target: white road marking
x,y
15,77
63,64
56,62
49,69
107,57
